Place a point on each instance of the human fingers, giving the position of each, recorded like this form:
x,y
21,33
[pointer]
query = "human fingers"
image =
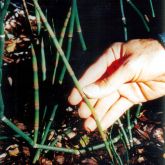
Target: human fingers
x,y
114,113
124,73
96,70
84,111
101,107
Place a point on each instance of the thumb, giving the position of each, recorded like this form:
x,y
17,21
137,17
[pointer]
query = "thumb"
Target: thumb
x,y
109,84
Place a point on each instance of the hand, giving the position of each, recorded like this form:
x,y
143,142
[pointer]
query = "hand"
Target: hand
x,y
126,74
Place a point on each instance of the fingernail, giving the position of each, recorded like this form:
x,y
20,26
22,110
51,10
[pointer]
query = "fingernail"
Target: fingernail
x,y
92,91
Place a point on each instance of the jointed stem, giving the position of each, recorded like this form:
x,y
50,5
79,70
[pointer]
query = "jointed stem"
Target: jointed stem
x,y
3,12
79,29
62,35
140,14
43,60
124,133
70,38
116,155
36,94
36,157
129,127
38,22
71,73
17,130
124,20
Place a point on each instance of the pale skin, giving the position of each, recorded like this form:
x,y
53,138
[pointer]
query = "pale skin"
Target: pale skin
x,y
125,74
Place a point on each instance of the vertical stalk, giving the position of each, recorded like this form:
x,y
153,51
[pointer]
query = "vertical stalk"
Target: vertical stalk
x,y
129,127
70,38
140,14
116,155
125,146
38,22
62,35
72,75
37,155
124,133
79,29
43,60
2,40
44,114
3,12
152,9
27,15
124,20
36,94
137,113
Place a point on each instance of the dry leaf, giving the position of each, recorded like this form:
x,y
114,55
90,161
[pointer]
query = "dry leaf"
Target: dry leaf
x,y
13,150
11,46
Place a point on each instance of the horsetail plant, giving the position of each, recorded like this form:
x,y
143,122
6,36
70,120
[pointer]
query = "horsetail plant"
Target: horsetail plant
x,y
38,22
124,133
137,113
3,11
124,21
43,60
62,35
79,29
140,14
73,17
116,155
45,133
70,38
125,146
129,127
152,9
27,17
36,94
71,73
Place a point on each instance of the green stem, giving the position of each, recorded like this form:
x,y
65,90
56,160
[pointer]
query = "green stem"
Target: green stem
x,y
3,12
124,133
36,94
72,75
17,130
27,16
137,113
125,146
43,60
58,149
79,30
140,14
53,143
124,20
129,127
37,155
38,22
62,35
152,9
44,114
116,155
70,38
